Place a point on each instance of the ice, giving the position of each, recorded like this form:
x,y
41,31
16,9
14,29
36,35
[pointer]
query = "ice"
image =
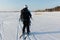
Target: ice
x,y
44,26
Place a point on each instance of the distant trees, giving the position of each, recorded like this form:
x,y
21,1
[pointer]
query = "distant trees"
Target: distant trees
x,y
50,9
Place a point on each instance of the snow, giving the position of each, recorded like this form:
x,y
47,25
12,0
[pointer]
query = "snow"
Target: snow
x,y
44,26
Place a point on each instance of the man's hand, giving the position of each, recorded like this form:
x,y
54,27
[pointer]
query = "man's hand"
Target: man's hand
x,y
19,19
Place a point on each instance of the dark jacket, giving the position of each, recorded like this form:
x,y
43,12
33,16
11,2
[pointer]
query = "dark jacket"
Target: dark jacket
x,y
25,15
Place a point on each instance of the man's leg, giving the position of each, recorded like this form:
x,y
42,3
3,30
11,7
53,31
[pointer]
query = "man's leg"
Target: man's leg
x,y
23,30
24,25
28,29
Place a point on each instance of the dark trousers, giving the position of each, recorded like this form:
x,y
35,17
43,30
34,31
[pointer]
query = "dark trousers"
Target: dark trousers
x,y
26,25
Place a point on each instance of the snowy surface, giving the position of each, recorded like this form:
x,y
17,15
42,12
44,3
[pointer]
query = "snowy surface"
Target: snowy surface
x,y
45,26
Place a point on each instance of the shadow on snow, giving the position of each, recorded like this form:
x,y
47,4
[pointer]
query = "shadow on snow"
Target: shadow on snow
x,y
53,32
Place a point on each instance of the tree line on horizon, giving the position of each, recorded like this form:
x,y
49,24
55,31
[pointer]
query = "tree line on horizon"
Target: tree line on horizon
x,y
57,8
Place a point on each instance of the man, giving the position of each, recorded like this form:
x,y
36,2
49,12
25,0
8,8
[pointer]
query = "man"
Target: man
x,y
25,18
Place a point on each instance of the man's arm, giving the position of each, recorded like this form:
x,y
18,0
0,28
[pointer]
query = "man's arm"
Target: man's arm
x,y
20,15
30,15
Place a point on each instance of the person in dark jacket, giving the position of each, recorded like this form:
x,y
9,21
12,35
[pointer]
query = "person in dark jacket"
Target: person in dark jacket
x,y
25,18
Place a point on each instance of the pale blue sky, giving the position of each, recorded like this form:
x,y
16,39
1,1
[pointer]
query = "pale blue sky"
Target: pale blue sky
x,y
32,4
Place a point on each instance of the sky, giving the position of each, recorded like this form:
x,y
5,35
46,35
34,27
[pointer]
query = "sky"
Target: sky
x,y
32,4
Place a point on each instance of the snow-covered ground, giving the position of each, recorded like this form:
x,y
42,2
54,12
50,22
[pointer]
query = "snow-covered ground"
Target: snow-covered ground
x,y
44,26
